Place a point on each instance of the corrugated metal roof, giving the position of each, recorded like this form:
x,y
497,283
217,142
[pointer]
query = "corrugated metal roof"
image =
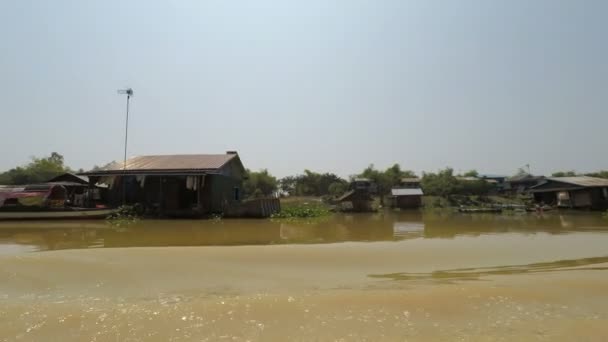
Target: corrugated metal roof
x,y
524,177
410,180
468,179
407,192
581,181
75,178
176,162
491,176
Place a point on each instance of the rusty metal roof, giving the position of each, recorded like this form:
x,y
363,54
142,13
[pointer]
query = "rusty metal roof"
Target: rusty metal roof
x,y
585,181
169,163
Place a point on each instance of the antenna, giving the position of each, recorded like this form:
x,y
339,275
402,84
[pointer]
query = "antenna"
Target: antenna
x,y
126,91
129,93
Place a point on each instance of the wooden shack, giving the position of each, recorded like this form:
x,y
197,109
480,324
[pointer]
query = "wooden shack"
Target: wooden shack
x,y
580,192
359,197
174,185
408,195
79,193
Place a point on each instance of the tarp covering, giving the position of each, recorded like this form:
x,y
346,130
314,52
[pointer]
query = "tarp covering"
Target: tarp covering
x,y
31,198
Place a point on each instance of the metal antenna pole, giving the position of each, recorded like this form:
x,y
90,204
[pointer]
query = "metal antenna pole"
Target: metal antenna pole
x,y
129,93
124,165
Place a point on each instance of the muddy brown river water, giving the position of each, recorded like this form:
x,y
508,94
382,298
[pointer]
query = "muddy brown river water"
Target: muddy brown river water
x,y
402,276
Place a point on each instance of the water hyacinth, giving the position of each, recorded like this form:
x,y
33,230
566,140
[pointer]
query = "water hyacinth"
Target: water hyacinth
x,y
302,212
123,215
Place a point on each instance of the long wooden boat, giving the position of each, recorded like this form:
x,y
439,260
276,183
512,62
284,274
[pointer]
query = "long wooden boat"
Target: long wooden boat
x,y
480,210
63,214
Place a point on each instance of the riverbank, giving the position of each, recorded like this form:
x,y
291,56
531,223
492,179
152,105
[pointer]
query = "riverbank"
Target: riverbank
x,y
428,202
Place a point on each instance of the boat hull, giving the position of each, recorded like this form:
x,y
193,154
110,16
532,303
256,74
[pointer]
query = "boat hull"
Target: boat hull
x,y
56,214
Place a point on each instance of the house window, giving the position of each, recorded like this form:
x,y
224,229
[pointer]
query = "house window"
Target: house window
x,y
237,194
605,193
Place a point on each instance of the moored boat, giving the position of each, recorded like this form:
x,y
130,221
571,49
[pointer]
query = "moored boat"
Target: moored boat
x,y
480,210
63,213
43,202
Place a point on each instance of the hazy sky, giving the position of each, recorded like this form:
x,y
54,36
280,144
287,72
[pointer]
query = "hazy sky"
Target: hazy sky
x,y
326,85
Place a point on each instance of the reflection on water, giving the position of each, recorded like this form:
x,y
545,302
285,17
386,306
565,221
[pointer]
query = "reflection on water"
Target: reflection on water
x,y
387,226
477,273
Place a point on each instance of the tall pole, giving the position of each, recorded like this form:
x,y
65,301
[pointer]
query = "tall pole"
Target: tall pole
x,y
124,164
129,93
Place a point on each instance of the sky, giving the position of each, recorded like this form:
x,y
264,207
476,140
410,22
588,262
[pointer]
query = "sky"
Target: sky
x,y
330,86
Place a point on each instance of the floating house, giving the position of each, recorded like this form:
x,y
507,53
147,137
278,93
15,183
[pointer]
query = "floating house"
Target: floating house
x,y
573,192
408,195
174,185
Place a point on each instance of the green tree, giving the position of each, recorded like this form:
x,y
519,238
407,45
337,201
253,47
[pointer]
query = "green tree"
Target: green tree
x,y
564,174
310,183
259,184
387,179
599,174
473,187
471,173
288,184
337,188
37,171
442,183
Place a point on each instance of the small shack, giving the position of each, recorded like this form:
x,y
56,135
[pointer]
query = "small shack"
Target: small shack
x,y
408,195
79,193
573,192
71,178
174,185
359,197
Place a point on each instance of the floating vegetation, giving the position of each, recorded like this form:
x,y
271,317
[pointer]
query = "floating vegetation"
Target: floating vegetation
x,y
125,214
302,211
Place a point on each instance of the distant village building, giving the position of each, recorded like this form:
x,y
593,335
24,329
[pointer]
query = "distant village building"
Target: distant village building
x,y
497,179
407,195
573,192
521,183
175,185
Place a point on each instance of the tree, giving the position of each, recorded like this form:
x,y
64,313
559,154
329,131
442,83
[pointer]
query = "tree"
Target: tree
x,y
442,183
471,173
473,187
564,174
387,179
288,184
37,171
259,184
310,183
598,174
337,188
